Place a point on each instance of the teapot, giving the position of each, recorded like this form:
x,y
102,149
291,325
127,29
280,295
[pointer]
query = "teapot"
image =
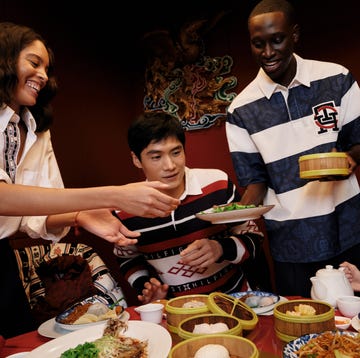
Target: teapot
x,y
328,284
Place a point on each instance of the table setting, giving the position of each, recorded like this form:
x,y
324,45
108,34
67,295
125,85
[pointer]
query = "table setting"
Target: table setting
x,y
259,328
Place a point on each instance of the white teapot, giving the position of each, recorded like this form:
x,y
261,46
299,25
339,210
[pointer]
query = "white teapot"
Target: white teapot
x,y
329,284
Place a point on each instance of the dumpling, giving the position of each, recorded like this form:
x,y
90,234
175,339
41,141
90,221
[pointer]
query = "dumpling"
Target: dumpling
x,y
219,327
212,351
98,309
206,328
202,328
194,304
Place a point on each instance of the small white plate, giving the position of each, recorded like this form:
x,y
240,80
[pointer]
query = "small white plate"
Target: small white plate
x,y
342,322
263,309
233,215
355,323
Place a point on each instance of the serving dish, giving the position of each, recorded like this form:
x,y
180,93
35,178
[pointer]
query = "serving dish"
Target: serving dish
x,y
96,318
291,347
296,318
258,294
355,323
159,339
52,329
233,215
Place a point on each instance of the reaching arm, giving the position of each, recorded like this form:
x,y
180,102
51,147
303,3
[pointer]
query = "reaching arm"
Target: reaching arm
x,y
100,222
143,199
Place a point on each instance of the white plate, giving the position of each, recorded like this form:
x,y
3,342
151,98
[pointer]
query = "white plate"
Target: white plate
x,y
259,310
159,340
355,322
233,215
52,329
18,355
271,312
292,346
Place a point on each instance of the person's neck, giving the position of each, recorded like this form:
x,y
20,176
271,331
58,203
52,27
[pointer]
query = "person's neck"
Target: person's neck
x,y
289,74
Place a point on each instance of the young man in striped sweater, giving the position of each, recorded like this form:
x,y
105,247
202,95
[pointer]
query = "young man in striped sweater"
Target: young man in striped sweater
x,y
181,254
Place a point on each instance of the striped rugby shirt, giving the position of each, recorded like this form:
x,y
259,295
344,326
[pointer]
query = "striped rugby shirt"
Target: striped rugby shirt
x,y
162,240
269,127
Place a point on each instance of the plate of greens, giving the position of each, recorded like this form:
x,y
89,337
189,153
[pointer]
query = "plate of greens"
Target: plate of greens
x,y
156,337
233,212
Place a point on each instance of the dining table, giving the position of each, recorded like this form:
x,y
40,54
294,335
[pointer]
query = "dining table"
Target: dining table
x,y
263,335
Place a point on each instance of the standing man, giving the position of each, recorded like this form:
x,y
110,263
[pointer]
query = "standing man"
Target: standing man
x,y
294,107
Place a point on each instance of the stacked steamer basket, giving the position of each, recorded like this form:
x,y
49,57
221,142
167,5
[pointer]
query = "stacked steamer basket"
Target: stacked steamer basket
x,y
179,308
317,166
289,327
225,304
202,324
235,345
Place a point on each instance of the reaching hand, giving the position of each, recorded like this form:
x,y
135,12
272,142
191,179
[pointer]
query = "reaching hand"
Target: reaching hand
x,y
353,275
153,290
102,223
146,199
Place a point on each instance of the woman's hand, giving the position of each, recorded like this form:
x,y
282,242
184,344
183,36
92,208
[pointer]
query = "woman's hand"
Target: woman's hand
x,y
353,275
102,223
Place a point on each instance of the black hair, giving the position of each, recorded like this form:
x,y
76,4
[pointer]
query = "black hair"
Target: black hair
x,y
153,127
265,6
13,39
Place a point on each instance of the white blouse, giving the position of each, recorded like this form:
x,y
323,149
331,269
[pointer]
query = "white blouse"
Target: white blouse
x,y
37,167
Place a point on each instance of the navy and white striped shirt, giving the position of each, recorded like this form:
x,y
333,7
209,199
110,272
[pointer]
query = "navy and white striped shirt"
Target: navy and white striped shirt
x,y
269,127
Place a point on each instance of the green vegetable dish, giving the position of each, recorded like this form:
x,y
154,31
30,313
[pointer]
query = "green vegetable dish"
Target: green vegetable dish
x,y
231,206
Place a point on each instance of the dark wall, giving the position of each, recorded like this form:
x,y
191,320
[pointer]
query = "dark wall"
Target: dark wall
x,y
99,63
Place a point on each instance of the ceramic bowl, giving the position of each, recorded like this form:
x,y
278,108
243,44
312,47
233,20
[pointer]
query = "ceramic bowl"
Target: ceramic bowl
x,y
342,322
349,306
151,312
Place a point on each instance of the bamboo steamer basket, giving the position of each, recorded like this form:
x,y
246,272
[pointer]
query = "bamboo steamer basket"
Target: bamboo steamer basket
x,y
288,327
226,304
238,347
175,312
186,327
317,166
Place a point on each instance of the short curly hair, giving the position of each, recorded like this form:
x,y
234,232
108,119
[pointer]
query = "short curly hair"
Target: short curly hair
x,y
265,6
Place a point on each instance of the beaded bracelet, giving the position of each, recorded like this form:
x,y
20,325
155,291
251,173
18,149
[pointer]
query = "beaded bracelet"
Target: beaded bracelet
x,y
76,226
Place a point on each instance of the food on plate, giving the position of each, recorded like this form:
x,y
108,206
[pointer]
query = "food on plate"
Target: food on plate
x,y
302,310
231,206
331,344
90,312
111,345
193,304
206,328
212,351
255,301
